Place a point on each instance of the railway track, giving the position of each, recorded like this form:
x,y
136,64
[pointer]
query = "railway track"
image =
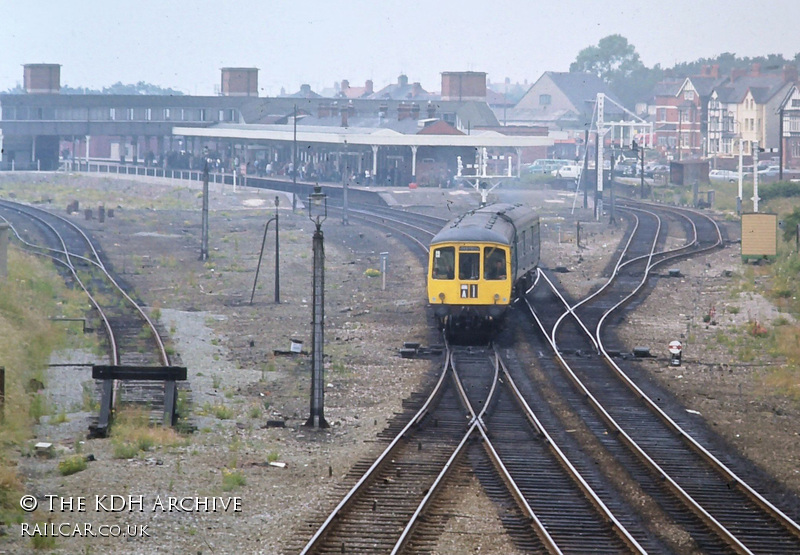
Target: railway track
x,y
692,486
131,337
489,417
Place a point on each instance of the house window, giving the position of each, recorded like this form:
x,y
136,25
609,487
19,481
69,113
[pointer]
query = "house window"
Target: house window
x,y
688,95
662,114
544,99
796,103
795,149
167,113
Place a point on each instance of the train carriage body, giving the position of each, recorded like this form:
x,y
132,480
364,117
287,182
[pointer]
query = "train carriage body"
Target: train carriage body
x,y
478,262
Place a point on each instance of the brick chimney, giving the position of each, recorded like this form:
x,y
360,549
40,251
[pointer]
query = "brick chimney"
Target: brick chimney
x,y
42,78
368,87
714,71
755,69
239,81
323,110
431,110
343,111
403,111
737,72
344,86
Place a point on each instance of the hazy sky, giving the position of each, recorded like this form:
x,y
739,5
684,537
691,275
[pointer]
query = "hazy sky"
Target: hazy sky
x,y
183,45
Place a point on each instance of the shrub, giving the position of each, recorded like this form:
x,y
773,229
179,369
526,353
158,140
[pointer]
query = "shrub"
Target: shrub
x,y
232,478
72,464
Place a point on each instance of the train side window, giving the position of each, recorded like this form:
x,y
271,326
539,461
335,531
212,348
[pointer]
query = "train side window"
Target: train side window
x,y
494,263
469,265
444,259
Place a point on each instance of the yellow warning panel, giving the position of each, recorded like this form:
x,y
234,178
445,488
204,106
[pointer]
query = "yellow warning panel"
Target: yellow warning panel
x,y
759,235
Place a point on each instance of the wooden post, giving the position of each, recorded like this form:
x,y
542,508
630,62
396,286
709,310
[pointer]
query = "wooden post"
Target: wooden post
x,y
3,250
2,393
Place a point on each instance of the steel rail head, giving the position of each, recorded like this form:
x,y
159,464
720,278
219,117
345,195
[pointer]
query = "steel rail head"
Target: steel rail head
x,y
318,536
598,503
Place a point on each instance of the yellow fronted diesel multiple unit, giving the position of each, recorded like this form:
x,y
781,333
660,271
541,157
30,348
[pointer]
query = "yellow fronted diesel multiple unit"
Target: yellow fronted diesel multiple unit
x,y
478,262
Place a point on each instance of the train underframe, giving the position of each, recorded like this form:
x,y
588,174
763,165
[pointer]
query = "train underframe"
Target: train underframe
x,y
471,324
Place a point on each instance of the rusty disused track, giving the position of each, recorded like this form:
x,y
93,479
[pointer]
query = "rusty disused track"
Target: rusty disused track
x,y
131,336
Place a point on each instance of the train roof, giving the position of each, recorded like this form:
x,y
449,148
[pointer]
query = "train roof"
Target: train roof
x,y
495,223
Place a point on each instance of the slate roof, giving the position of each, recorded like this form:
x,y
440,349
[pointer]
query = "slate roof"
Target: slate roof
x,y
581,87
763,88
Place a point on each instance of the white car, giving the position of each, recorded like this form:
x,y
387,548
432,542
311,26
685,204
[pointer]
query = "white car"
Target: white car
x,y
771,171
570,171
723,175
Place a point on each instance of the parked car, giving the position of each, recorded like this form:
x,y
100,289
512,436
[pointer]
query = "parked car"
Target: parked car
x,y
771,171
629,170
723,175
650,170
547,165
570,171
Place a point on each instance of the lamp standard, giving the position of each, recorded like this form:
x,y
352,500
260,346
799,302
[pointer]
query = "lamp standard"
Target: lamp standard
x,y
294,148
277,251
204,232
345,184
317,212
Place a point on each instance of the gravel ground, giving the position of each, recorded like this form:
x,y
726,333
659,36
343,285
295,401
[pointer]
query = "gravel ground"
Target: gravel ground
x,y
228,347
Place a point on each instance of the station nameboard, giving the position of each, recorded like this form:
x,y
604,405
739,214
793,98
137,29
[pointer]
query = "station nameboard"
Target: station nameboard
x,y
759,235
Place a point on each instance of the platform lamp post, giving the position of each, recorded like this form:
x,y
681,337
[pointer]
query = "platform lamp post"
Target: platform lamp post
x,y
345,184
317,212
277,256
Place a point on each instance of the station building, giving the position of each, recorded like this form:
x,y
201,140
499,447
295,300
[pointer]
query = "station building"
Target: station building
x,y
384,140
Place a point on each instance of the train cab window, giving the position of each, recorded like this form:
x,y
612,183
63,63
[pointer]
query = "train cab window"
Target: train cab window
x,y
444,263
469,265
494,263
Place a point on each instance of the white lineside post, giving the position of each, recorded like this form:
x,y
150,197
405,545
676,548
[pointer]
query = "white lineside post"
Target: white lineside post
x,y
754,148
598,209
741,177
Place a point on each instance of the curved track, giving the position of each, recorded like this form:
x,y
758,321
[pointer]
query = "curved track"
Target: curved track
x,y
131,337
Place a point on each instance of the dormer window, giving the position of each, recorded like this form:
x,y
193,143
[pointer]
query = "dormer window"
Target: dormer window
x,y
544,99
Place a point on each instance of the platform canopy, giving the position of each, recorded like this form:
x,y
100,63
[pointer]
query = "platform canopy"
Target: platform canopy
x,y
358,136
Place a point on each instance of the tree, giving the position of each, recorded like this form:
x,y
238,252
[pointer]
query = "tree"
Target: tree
x,y
611,59
617,63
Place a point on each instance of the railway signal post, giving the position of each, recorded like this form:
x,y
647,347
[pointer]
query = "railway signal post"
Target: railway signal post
x,y
317,212
277,256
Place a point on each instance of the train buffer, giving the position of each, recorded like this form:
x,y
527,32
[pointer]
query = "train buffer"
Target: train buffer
x,y
108,373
